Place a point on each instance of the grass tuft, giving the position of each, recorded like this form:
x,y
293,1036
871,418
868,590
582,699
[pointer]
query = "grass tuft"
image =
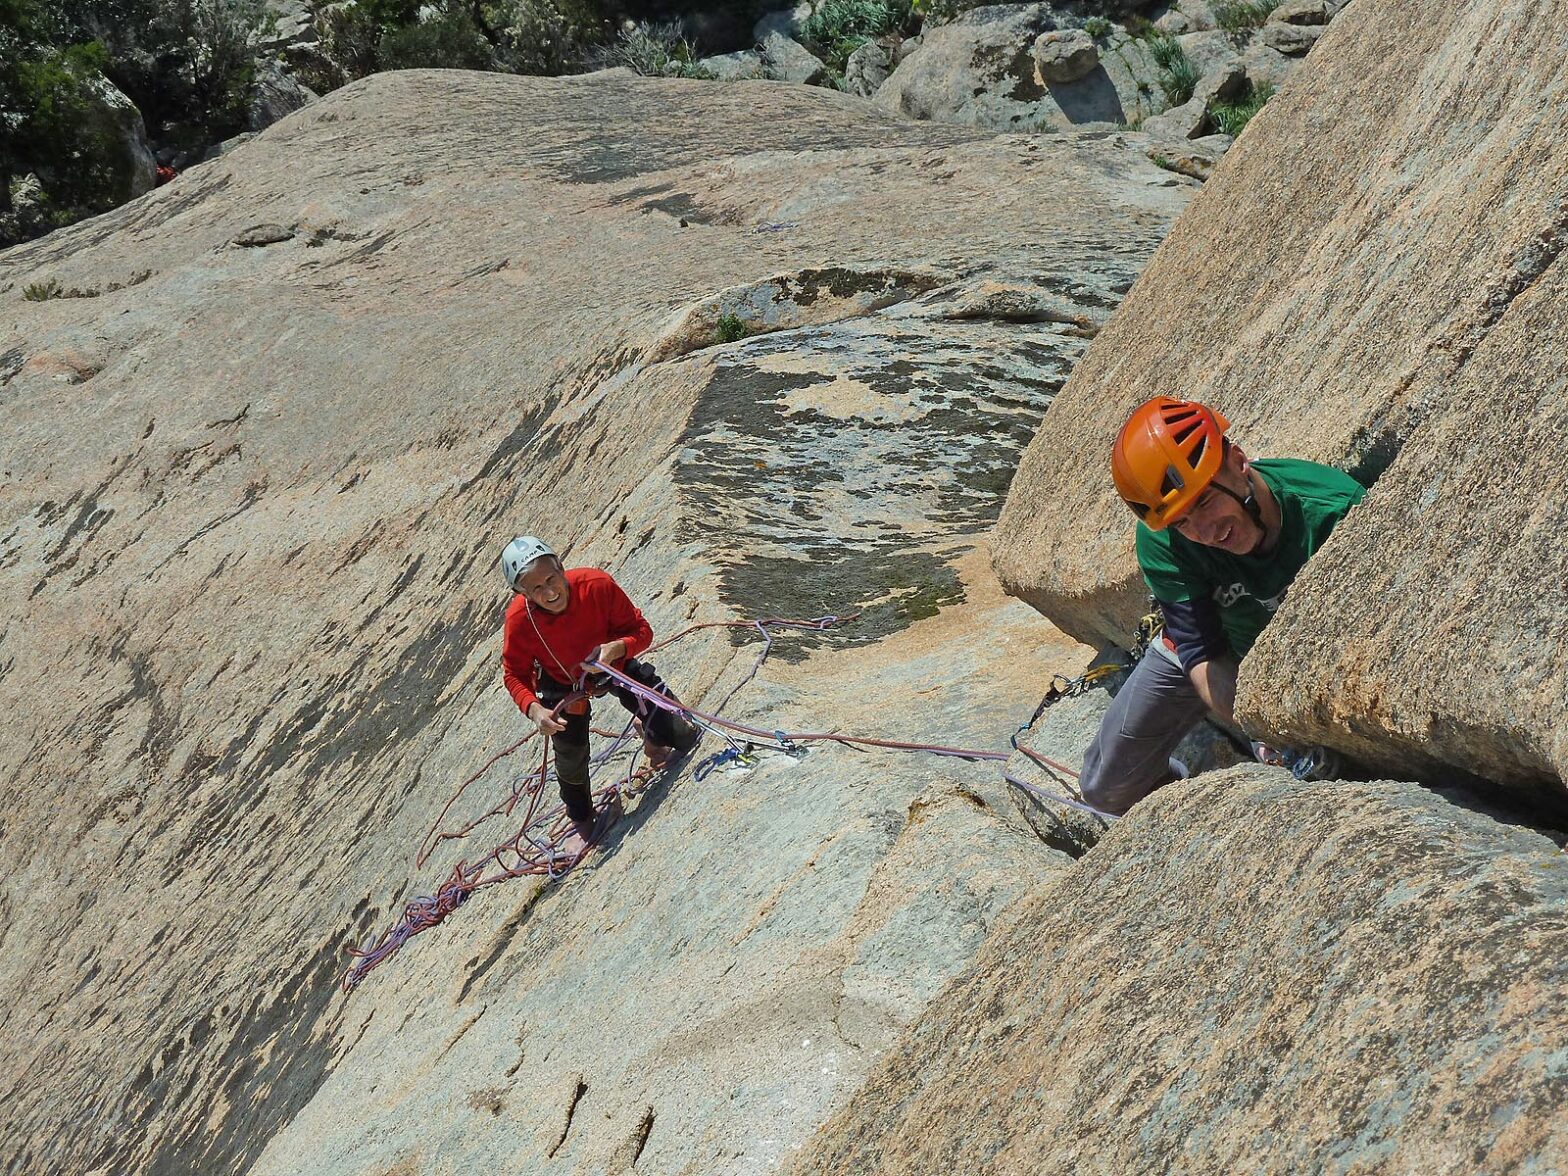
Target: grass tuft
x,y
1179,77
1239,17
1232,117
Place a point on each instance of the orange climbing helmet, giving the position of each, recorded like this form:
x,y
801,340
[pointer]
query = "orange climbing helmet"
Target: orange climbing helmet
x,y
1165,456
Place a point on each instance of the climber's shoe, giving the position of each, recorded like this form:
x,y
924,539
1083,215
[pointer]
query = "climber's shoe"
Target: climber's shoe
x,y
1316,763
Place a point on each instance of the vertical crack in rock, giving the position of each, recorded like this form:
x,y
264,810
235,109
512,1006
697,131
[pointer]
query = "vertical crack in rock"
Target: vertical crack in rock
x,y
461,1033
580,1088
640,1136
1378,442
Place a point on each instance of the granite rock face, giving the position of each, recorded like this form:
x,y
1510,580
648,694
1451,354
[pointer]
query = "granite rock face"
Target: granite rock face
x,y
250,500
1385,298
1249,974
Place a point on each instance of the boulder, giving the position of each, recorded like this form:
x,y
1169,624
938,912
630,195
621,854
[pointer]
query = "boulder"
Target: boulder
x,y
1225,84
1064,55
273,94
290,23
259,495
866,69
1187,121
1199,13
782,22
1249,974
1290,39
786,60
1191,119
1209,51
1266,66
741,66
1358,299
1304,12
1195,156
980,70
116,123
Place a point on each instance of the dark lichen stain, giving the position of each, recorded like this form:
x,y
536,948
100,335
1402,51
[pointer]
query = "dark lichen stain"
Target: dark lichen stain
x,y
1372,450
686,210
274,1056
805,287
977,416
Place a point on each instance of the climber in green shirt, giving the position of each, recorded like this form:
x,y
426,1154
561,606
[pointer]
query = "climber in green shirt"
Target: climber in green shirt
x,y
1220,538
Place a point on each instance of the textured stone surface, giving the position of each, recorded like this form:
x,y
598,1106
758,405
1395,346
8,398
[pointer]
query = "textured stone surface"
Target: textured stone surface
x,y
114,121
1373,283
249,507
742,65
1266,66
1249,974
274,94
1209,50
1304,12
1187,121
1196,158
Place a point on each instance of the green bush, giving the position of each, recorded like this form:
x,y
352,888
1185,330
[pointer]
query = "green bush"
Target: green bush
x,y
836,19
653,50
43,291
732,328
1179,77
1232,117
52,123
450,40
549,36
838,27
1098,27
183,62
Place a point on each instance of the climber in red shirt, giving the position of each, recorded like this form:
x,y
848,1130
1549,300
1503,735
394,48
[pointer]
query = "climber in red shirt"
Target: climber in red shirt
x,y
558,620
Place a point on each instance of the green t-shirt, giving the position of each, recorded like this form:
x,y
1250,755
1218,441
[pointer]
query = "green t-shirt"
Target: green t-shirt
x,y
1247,589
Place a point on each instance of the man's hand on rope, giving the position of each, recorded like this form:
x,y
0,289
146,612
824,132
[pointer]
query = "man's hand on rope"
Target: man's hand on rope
x,y
608,654
548,724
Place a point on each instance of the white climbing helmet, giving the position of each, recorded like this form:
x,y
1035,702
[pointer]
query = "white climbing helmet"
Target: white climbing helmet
x,y
517,555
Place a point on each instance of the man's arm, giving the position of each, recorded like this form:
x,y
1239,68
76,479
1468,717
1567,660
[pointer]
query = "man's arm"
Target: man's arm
x,y
1215,682
517,675
628,628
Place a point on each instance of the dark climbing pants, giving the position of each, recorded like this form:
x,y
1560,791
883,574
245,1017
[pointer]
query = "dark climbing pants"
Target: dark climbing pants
x,y
571,745
1150,715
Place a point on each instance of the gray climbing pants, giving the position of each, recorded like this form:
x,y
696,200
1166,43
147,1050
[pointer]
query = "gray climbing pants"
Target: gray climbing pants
x,y
1150,715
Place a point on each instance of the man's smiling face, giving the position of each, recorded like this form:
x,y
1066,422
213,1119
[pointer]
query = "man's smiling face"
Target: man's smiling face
x,y
544,583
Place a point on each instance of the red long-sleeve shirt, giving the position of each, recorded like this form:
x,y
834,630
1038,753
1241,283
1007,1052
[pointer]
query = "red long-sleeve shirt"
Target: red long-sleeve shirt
x,y
598,611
